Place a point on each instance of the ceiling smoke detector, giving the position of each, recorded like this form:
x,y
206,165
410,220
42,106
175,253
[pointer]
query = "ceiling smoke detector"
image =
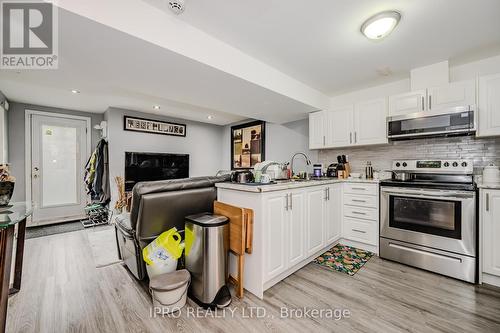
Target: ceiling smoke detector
x,y
177,6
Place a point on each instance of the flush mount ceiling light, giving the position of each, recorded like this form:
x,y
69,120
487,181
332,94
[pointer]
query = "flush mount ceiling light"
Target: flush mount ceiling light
x,y
75,91
210,117
380,25
156,107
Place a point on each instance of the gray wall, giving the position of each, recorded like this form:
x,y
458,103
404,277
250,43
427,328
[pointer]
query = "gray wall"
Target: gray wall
x,y
282,141
481,150
16,134
202,143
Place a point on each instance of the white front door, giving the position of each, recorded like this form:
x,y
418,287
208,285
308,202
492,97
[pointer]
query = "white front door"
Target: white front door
x,y
59,149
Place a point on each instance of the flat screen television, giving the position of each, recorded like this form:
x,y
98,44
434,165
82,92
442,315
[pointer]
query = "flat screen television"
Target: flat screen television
x,y
141,167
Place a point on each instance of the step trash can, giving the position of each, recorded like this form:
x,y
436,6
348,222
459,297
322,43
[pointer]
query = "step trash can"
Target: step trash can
x,y
206,252
169,290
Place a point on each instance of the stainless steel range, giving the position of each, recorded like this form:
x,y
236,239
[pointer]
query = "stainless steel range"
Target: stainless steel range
x,y
428,217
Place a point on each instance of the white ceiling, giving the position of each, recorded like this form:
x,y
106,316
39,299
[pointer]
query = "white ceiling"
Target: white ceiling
x,y
319,42
271,60
114,69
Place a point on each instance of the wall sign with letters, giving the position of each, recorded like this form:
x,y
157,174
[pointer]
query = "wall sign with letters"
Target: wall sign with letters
x,y
153,126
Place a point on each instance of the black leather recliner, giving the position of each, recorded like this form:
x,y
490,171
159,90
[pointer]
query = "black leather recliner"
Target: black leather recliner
x,y
156,207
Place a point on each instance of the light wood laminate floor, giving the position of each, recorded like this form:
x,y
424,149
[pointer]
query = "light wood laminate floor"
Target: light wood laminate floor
x,y
62,291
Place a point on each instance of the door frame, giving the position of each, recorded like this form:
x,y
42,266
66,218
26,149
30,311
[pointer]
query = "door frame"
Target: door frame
x,y
27,144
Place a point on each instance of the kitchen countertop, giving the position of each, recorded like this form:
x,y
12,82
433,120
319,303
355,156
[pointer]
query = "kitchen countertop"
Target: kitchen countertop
x,y
291,184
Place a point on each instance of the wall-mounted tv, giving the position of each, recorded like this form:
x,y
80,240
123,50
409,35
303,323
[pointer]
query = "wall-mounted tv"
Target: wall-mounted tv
x,y
141,167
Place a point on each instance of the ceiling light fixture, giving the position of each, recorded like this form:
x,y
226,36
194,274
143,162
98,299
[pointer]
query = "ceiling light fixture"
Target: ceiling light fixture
x,y
75,91
380,25
210,117
156,107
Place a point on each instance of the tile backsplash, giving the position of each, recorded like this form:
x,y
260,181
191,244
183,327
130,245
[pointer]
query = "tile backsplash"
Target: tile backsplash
x,y
481,150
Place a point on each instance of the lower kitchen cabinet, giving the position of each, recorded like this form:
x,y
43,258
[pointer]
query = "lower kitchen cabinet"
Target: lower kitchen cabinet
x,y
315,219
490,230
296,244
275,240
333,213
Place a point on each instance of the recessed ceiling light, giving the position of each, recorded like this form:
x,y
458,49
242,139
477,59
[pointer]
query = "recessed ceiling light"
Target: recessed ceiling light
x,y
156,107
380,25
210,117
75,91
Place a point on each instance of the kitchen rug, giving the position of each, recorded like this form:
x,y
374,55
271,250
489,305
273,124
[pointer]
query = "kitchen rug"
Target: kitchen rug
x,y
344,258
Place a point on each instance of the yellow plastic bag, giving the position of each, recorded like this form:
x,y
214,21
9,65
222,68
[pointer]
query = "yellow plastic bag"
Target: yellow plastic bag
x,y
165,247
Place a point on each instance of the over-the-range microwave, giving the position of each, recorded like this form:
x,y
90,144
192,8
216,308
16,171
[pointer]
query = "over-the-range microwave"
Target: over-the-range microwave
x,y
449,122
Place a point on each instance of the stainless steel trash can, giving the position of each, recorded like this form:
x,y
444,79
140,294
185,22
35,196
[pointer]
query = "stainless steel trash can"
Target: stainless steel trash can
x,y
207,244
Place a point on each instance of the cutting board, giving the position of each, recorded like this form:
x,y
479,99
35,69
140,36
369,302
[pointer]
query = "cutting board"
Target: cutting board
x,y
237,226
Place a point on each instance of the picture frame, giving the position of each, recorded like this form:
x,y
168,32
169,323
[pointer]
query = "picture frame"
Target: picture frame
x,y
247,145
137,124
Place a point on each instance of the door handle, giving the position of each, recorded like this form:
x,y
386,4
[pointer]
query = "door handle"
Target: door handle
x,y
430,102
487,202
291,201
324,140
350,137
423,103
328,193
355,137
286,204
358,213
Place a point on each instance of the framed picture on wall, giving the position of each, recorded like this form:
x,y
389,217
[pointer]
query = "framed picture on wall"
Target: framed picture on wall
x,y
153,126
247,145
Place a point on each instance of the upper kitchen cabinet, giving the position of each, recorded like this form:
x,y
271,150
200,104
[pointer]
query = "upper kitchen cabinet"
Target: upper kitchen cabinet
x,y
370,125
489,106
451,95
454,94
407,103
338,127
363,123
317,124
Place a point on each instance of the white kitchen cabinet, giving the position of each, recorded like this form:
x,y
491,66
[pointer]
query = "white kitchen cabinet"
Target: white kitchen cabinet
x,y
333,213
407,103
315,217
276,214
370,123
296,232
489,106
317,124
461,93
339,124
490,220
454,94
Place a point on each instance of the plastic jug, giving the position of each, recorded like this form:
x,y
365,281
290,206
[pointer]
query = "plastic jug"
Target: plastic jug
x,y
161,255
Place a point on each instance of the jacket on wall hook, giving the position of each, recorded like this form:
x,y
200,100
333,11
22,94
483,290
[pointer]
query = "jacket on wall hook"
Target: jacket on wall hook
x,y
97,174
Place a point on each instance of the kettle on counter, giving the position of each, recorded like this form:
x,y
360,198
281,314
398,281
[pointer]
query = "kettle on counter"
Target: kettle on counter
x,y
491,174
242,176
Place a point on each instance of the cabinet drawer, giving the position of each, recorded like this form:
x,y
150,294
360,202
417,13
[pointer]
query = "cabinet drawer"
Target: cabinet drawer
x,y
361,213
367,189
360,230
361,200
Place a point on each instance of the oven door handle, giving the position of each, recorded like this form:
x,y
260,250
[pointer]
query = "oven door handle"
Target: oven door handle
x,y
437,195
458,197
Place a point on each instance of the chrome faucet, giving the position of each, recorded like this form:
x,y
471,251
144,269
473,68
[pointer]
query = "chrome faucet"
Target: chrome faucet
x,y
308,161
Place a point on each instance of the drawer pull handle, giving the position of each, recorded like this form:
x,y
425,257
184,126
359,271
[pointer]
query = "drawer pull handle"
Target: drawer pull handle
x,y
359,188
357,200
360,231
359,213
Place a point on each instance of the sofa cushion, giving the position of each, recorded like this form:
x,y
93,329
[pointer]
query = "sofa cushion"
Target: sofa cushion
x,y
124,224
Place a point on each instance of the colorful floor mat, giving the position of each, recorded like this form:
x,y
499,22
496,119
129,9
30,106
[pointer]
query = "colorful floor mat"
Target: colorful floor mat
x,y
344,258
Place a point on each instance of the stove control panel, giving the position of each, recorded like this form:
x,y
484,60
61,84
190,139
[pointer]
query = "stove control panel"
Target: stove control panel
x,y
434,166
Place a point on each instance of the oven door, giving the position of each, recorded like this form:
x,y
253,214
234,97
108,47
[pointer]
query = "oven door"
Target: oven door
x,y
439,219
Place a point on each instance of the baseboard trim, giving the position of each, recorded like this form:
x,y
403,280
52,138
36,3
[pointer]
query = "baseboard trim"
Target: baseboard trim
x,y
491,279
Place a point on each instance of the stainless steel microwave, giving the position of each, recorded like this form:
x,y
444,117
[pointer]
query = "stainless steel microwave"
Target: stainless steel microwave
x,y
449,122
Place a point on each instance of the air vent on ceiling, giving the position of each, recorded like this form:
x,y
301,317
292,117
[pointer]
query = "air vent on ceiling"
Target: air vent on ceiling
x,y
177,6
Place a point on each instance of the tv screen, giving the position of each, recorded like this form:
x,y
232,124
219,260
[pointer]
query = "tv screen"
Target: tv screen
x,y
141,167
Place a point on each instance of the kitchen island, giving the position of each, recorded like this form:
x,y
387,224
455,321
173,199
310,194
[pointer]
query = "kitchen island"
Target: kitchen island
x,y
296,221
